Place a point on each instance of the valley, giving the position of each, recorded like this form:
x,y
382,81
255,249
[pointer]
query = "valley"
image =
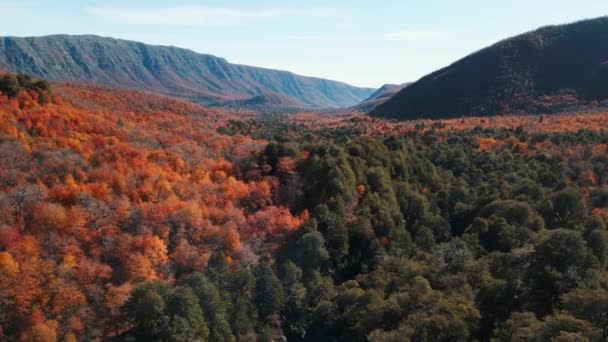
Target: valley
x,y
150,193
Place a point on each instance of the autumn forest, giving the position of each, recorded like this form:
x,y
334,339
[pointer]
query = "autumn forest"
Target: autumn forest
x,y
150,193
132,216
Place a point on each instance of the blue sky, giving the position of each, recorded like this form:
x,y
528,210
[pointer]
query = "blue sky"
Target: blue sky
x,y
361,42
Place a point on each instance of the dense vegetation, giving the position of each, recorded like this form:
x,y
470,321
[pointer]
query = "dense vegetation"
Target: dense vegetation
x,y
101,190
126,216
552,69
11,85
454,236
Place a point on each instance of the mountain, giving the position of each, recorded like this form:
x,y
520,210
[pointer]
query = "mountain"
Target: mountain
x,y
386,90
378,97
552,69
268,100
167,70
265,103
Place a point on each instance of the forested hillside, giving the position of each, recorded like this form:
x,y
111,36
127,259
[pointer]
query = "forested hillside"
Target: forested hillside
x,y
438,234
131,216
553,69
101,190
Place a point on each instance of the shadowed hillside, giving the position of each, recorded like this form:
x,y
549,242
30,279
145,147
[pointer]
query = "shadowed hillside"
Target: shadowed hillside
x,y
552,69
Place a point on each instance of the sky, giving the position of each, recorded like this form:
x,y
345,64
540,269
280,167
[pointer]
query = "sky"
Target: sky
x,y
361,42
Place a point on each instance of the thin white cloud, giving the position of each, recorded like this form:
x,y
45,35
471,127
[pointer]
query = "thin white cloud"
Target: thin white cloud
x,y
406,35
326,37
311,37
14,6
414,35
198,15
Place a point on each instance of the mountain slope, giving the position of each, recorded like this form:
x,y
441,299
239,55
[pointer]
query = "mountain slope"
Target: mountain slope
x,y
552,69
378,97
386,90
167,70
270,99
265,103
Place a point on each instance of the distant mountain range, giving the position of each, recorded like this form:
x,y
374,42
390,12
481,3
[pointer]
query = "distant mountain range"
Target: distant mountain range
x,y
552,69
167,70
380,96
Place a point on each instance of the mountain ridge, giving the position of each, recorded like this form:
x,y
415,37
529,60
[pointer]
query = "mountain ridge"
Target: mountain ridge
x,y
169,70
552,69
383,94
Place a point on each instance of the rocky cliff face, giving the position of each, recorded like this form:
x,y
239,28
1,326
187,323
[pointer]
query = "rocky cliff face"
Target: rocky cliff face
x,y
167,70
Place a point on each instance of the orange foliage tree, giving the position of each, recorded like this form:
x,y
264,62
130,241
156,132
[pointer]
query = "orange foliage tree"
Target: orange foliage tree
x,y
102,189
